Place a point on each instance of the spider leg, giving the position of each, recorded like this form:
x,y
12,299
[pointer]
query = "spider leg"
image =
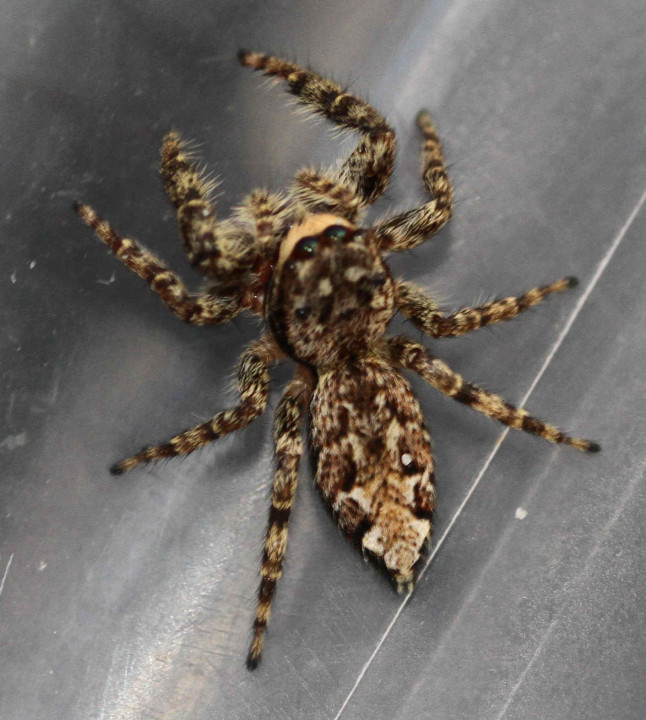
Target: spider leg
x,y
412,356
422,311
366,172
203,309
404,231
289,449
253,382
220,249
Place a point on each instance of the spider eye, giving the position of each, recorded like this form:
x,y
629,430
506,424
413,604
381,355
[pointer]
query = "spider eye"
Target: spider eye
x,y
305,248
338,232
302,312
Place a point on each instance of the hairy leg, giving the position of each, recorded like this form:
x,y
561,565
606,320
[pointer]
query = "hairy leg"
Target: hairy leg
x,y
366,172
422,311
411,228
219,249
412,356
253,382
203,309
289,449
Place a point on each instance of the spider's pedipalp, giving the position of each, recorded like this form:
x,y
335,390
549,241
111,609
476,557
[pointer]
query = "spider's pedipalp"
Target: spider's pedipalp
x,y
253,383
412,356
366,172
272,214
203,309
223,249
410,228
423,312
289,449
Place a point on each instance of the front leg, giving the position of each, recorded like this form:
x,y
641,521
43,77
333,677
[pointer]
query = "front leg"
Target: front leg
x,y
365,174
412,356
253,381
205,309
410,228
422,311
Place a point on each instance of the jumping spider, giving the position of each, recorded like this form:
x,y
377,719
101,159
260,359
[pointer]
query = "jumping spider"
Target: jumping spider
x,y
303,262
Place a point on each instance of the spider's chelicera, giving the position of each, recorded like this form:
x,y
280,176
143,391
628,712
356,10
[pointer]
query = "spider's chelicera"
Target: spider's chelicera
x,y
303,261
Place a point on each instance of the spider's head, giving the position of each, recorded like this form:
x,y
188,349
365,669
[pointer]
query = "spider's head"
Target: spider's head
x,y
331,295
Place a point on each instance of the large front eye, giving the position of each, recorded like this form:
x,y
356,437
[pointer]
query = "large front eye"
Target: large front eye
x,y
338,232
305,248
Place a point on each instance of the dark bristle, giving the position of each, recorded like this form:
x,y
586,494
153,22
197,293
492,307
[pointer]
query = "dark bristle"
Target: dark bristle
x,y
593,447
242,55
116,469
252,662
572,281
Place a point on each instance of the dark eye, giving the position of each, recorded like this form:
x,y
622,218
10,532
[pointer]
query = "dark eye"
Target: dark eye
x,y
302,312
338,232
305,248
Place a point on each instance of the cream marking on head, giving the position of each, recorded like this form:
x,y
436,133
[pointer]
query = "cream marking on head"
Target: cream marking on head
x,y
311,225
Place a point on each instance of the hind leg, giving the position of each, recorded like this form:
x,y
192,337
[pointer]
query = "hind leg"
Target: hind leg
x,y
289,448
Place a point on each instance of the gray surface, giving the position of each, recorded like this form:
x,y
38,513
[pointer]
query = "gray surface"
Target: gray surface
x,y
132,598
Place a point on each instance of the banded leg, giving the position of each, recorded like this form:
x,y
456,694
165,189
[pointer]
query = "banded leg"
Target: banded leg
x,y
253,382
220,249
422,311
289,448
203,309
412,356
366,172
410,228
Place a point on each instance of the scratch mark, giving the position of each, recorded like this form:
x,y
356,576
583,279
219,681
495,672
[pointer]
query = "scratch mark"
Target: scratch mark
x,y
6,572
109,281
11,442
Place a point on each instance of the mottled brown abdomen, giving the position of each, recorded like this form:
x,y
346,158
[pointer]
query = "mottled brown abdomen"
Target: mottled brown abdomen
x,y
375,466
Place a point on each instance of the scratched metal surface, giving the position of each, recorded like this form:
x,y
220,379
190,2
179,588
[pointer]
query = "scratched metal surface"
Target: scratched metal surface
x,y
132,598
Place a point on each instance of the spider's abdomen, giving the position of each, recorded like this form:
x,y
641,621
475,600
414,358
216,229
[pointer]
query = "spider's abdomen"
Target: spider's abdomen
x,y
374,462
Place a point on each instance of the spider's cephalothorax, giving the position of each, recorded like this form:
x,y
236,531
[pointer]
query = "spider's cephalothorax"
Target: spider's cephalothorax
x,y
331,295
320,280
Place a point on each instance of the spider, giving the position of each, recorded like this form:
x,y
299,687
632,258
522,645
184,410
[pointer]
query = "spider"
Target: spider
x,y
304,262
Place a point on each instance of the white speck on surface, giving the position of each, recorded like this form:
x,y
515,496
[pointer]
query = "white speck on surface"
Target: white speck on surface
x,y
520,513
109,281
32,264
13,277
41,566
11,442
